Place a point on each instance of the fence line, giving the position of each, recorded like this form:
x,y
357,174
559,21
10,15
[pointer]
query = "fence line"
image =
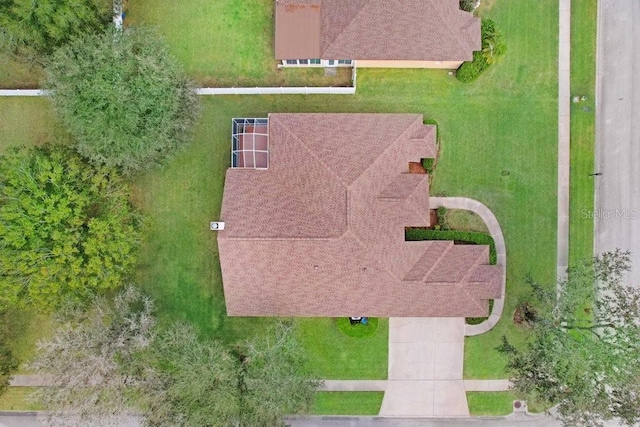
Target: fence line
x,y
22,92
230,90
275,90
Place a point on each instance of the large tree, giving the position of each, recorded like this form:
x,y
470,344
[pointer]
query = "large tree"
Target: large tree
x,y
123,97
37,28
584,354
191,382
67,229
86,361
110,361
204,383
274,381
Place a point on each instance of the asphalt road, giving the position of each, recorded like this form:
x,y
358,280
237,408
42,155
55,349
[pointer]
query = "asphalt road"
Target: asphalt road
x,y
617,211
424,422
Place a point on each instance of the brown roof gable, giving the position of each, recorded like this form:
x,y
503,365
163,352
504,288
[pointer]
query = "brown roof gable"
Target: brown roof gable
x,y
321,232
427,30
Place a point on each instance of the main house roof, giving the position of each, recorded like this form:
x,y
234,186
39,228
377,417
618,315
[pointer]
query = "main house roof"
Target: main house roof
x,y
424,30
322,231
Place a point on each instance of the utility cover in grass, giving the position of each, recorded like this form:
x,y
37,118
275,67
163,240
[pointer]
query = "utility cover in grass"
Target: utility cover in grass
x,y
357,330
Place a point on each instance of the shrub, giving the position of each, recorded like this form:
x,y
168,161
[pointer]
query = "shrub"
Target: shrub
x,y
442,218
469,71
493,50
468,5
471,237
428,165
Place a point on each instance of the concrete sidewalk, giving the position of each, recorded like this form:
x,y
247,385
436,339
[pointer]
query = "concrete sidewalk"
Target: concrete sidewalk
x,y
354,385
425,368
564,140
501,251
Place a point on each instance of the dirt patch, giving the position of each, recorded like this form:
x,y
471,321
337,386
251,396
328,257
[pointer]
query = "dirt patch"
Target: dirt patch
x,y
524,315
433,217
416,167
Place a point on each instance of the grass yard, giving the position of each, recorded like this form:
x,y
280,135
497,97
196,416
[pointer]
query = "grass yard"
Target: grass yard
x,y
335,356
226,42
459,219
581,192
17,399
503,122
347,403
27,121
490,403
24,328
18,75
496,403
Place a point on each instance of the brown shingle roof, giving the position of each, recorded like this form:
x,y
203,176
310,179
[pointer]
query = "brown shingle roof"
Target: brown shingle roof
x,y
321,232
427,30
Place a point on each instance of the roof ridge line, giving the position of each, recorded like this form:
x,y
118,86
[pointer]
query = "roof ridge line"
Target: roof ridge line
x,y
456,39
412,196
464,286
367,250
413,190
477,262
364,4
435,264
392,145
313,154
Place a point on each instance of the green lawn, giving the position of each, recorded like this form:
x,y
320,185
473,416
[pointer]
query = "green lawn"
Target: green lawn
x,y
490,403
27,121
458,219
583,52
496,403
18,75
347,403
24,328
16,399
226,42
335,356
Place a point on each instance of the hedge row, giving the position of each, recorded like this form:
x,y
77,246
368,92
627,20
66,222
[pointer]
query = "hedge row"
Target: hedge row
x,y
470,237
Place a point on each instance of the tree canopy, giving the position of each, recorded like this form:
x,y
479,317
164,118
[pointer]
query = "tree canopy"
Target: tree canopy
x,y
36,28
123,97
67,228
112,360
84,361
205,383
584,355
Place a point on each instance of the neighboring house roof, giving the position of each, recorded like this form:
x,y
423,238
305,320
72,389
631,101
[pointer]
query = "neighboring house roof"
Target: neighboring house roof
x,y
424,30
322,231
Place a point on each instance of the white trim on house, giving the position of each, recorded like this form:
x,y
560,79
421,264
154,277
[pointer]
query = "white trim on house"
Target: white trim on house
x,y
316,62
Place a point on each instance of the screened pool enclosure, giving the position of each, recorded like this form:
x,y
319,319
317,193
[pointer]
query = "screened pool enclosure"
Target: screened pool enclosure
x,y
250,143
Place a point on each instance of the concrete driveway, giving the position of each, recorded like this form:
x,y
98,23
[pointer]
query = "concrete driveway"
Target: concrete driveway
x,y
617,211
426,356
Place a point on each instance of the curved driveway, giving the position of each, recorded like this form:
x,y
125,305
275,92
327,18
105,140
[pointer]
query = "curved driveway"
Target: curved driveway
x,y
496,232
